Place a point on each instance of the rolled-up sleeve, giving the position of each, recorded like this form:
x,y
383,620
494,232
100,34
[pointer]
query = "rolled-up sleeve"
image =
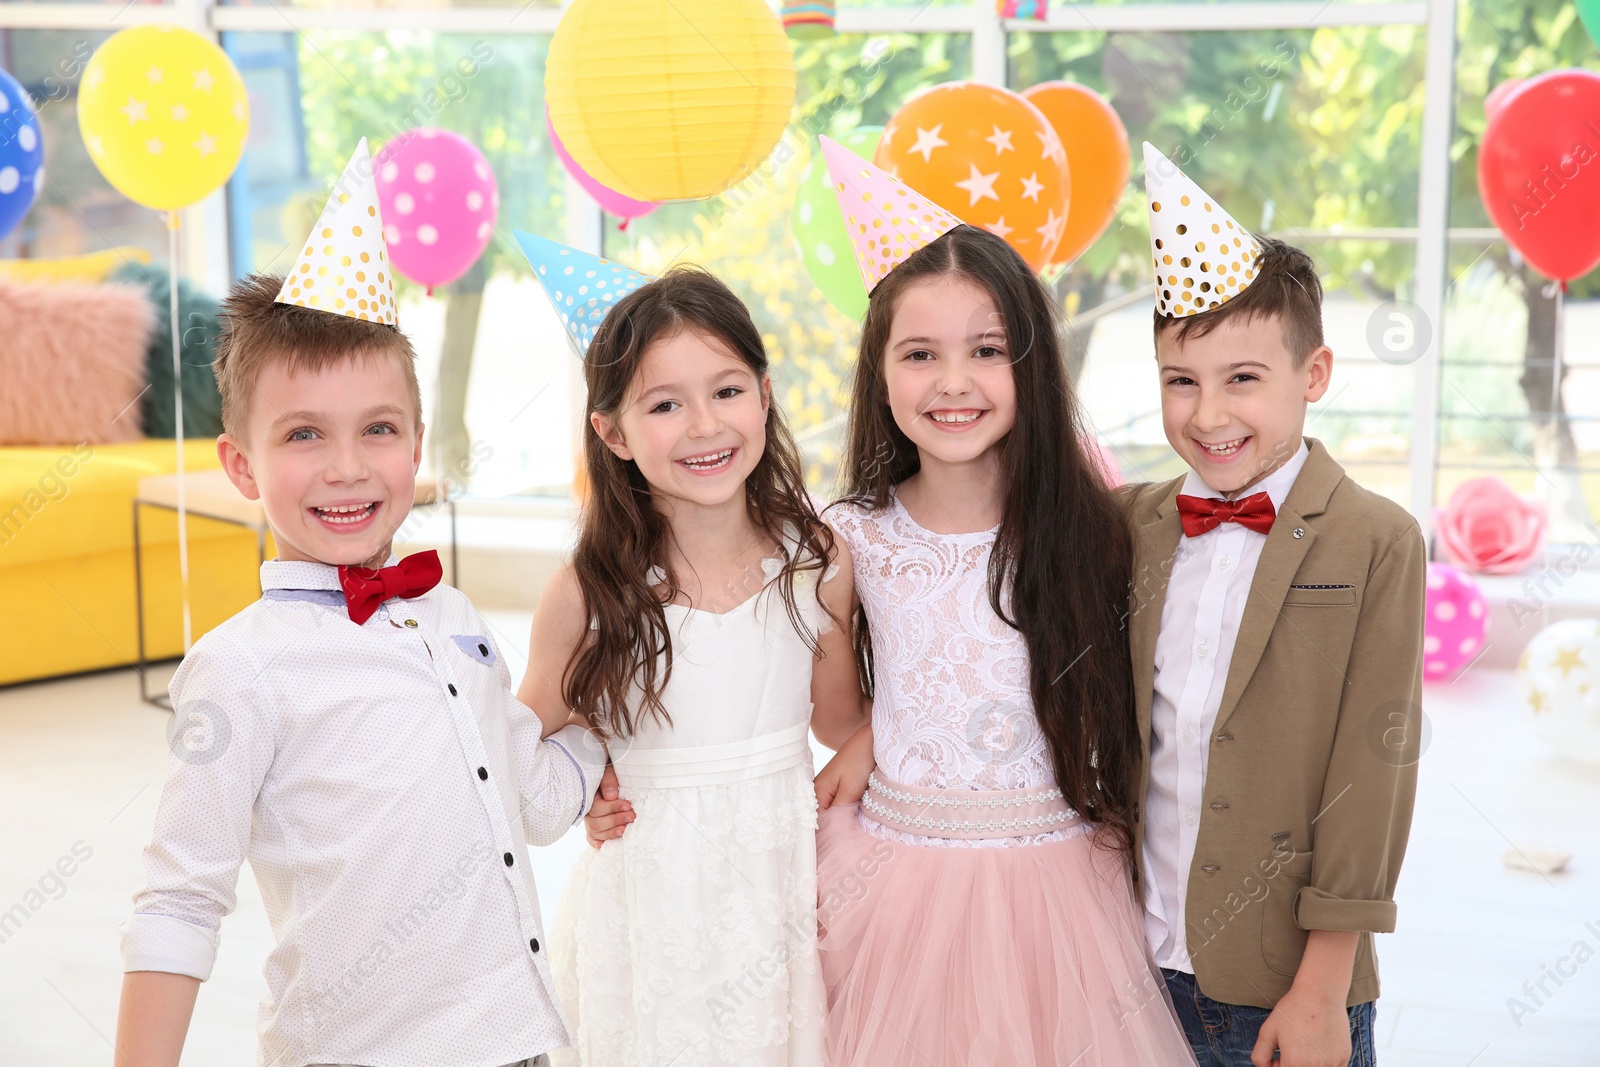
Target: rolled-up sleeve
x,y
223,740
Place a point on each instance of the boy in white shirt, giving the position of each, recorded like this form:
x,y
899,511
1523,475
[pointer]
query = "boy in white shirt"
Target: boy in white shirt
x,y
359,739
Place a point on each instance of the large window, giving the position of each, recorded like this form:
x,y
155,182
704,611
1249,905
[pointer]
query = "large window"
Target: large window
x,y
1501,411
1309,121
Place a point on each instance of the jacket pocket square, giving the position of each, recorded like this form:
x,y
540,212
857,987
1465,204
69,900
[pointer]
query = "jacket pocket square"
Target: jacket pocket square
x,y
1320,596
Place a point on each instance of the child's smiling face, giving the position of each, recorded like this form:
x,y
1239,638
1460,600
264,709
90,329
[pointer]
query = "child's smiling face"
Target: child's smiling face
x,y
694,420
1233,403
332,454
947,370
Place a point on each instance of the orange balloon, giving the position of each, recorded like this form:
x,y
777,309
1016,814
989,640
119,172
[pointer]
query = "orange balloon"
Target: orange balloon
x,y
1097,157
988,157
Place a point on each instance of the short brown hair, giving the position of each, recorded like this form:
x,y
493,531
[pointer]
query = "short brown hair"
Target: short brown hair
x,y
1286,287
257,330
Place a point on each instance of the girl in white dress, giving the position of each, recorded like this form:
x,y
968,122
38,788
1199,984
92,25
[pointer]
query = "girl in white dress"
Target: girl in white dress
x,y
695,629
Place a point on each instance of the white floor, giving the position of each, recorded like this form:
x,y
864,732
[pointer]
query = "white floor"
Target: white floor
x,y
80,765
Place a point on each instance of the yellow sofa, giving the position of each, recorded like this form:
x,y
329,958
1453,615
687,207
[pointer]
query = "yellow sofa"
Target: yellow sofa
x,y
66,559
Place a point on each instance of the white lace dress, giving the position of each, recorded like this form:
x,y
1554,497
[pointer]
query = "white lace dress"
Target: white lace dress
x,y
951,704
691,939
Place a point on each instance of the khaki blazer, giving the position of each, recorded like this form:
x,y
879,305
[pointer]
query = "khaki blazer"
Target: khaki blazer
x,y
1312,769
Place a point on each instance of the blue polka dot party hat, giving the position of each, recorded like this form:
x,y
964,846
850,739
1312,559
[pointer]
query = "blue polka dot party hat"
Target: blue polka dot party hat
x,y
582,287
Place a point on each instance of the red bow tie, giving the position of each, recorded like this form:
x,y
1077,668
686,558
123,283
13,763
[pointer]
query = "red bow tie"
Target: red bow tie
x,y
365,588
1200,514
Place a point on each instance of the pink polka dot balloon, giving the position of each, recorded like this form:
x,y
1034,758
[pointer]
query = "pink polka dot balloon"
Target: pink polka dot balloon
x,y
439,201
1457,620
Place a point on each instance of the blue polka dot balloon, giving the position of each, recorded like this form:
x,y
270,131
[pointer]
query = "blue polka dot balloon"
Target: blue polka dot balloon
x,y
582,287
21,154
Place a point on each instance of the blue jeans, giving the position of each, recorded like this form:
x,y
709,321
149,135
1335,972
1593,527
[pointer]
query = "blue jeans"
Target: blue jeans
x,y
1223,1035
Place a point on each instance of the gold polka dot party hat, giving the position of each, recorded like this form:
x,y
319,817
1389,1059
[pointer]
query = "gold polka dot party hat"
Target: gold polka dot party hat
x,y
1203,258
887,220
343,268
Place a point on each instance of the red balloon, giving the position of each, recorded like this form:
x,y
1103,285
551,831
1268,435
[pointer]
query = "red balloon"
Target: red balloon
x,y
1539,172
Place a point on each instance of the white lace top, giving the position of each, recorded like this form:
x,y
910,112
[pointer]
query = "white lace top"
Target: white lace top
x,y
951,704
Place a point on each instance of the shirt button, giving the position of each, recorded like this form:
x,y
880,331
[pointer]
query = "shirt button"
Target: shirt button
x,y
1202,649
452,689
483,773
510,860
411,624
1188,735
1222,562
533,943
1188,817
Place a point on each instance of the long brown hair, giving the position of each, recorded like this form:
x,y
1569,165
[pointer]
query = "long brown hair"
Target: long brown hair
x,y
1063,549
622,535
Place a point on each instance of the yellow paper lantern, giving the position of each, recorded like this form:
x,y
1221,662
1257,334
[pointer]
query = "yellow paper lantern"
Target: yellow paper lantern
x,y
164,114
666,99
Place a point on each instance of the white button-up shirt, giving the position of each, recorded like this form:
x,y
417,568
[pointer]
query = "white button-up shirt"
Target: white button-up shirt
x,y
384,783
1206,597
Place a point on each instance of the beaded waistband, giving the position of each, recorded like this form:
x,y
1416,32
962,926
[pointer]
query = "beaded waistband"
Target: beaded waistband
x,y
966,814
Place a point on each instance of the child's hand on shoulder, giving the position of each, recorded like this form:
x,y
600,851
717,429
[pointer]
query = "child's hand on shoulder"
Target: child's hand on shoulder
x,y
610,814
844,779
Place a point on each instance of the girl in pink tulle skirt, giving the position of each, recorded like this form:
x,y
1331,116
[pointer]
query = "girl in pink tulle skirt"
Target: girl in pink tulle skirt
x,y
975,902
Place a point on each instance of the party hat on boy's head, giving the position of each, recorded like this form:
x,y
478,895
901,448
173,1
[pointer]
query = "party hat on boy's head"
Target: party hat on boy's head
x,y
581,286
887,220
343,268
1203,258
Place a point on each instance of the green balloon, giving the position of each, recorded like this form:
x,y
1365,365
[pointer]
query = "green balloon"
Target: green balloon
x,y
1589,12
825,245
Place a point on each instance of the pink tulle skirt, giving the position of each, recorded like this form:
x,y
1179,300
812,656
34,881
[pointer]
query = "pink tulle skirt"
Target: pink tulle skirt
x,y
985,957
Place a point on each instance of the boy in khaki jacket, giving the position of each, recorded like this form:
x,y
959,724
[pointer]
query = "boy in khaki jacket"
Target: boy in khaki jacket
x,y
1276,629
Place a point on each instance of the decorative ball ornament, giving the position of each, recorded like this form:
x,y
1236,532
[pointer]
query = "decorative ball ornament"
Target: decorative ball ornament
x,y
666,100
1456,620
1558,687
989,157
164,115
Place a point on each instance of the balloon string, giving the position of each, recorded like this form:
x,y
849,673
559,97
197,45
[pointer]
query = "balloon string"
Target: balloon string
x,y
1559,346
177,408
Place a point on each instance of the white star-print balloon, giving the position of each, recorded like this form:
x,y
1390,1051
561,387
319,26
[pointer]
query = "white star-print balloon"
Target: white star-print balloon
x,y
1558,687
21,154
988,156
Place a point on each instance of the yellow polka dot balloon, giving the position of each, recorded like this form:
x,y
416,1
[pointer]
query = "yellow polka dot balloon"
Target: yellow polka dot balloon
x,y
164,114
343,268
1202,257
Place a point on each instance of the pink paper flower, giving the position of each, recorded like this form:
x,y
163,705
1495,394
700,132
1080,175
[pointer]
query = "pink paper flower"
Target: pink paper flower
x,y
1488,529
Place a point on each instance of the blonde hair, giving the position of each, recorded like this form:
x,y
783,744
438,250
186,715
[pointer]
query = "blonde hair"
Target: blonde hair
x,y
258,331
